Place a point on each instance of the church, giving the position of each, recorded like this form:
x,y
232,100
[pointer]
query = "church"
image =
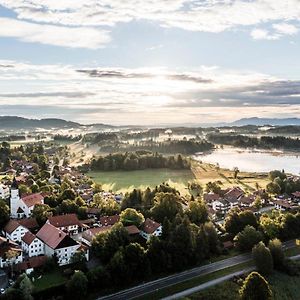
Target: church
x,y
21,207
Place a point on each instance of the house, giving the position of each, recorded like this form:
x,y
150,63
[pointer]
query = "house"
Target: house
x,y
132,230
7,246
109,220
220,205
21,207
210,197
93,212
68,223
150,228
57,243
233,195
246,201
31,245
29,223
284,204
31,264
14,231
4,191
88,236
296,197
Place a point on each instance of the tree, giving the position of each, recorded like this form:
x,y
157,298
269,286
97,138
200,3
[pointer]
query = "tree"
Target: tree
x,y
273,188
246,239
11,256
4,213
235,172
197,212
276,250
255,287
236,221
130,216
166,205
77,285
263,258
41,212
26,288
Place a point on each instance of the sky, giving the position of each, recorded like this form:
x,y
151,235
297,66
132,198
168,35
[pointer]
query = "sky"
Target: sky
x,y
150,62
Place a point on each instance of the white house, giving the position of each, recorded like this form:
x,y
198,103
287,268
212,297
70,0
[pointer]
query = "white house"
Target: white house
x,y
31,245
4,191
68,223
21,207
150,228
57,243
14,231
220,205
7,246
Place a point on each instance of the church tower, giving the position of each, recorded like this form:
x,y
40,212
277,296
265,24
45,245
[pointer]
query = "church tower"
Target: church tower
x,y
14,199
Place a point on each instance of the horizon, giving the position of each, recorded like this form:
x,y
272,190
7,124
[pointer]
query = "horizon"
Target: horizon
x,y
171,62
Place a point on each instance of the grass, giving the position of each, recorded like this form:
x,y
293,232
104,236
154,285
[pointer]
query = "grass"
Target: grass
x,y
127,180
205,173
284,287
49,280
194,282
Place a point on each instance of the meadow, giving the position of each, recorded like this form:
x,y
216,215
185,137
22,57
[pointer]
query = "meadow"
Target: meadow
x,y
127,180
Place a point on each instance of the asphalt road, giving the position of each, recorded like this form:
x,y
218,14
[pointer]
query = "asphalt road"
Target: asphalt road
x,y
152,286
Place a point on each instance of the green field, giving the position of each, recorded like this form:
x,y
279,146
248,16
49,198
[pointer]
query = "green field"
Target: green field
x,y
127,180
49,280
284,287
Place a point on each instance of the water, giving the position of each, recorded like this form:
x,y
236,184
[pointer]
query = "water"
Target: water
x,y
253,160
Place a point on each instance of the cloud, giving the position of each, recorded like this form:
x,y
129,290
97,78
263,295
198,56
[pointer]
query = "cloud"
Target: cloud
x,y
142,95
73,37
205,15
261,34
285,28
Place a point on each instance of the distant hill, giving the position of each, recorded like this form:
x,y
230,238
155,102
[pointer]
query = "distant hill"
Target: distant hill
x,y
266,121
12,122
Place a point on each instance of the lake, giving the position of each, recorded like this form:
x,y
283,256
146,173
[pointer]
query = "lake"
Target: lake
x,y
253,160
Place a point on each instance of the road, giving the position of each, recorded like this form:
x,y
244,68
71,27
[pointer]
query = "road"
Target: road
x,y
152,286
211,283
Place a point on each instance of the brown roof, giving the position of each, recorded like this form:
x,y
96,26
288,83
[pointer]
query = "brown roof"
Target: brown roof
x,y
32,262
29,223
50,235
33,199
28,238
233,194
150,226
109,220
210,197
296,194
93,211
64,220
246,200
283,203
132,229
92,232
11,226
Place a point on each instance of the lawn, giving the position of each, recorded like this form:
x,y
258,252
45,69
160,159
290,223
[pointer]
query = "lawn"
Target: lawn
x,y
127,180
284,287
49,280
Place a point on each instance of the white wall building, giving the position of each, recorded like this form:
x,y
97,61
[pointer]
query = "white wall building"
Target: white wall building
x,y
4,191
31,245
14,231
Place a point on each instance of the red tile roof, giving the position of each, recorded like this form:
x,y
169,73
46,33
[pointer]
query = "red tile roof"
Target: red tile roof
x,y
210,197
64,220
132,229
29,223
296,194
234,194
50,235
11,226
33,199
92,232
109,220
28,238
150,226
32,262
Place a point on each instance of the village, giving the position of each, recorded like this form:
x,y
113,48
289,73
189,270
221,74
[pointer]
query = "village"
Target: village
x,y
40,230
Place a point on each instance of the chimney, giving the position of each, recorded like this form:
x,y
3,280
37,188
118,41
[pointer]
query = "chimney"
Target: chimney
x,y
59,234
